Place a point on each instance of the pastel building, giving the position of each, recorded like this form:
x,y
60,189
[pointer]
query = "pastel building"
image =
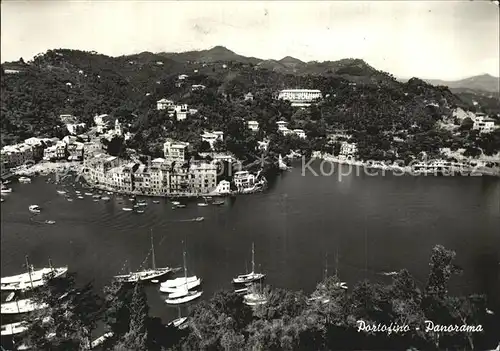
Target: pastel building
x,y
175,151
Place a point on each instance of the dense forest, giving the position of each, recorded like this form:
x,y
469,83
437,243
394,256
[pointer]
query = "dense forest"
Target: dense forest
x,y
389,119
289,321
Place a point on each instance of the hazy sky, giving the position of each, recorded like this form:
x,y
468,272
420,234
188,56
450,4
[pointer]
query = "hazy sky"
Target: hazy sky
x,y
429,39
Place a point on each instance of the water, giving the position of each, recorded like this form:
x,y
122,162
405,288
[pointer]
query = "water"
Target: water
x,y
377,224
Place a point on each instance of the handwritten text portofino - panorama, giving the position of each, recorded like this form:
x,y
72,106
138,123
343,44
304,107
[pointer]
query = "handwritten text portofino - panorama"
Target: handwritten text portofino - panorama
x,y
430,326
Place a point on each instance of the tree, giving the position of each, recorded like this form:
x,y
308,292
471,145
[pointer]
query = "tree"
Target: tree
x,y
136,339
69,319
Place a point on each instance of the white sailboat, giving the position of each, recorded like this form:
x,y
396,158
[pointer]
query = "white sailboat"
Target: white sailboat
x,y
34,209
192,295
14,328
281,164
254,297
180,322
341,285
183,284
182,294
21,306
252,276
145,274
31,279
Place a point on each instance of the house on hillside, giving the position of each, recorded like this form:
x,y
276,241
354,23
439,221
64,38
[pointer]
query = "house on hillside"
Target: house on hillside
x,y
164,104
248,96
197,87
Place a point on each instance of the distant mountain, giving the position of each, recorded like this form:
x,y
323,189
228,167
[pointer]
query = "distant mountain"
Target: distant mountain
x,y
481,83
217,53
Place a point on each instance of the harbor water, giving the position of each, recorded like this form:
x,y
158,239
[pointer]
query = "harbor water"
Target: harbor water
x,y
376,224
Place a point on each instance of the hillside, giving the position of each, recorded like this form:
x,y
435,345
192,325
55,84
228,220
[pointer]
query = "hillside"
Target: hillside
x,y
215,54
481,83
358,98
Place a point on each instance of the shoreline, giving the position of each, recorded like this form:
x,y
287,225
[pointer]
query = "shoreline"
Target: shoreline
x,y
407,170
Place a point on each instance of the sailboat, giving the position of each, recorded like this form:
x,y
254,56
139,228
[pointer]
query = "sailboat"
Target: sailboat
x,y
179,323
254,297
340,285
203,204
182,294
252,276
145,274
21,306
281,164
31,279
14,328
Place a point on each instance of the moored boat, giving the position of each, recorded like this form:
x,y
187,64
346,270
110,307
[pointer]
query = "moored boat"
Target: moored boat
x,y
218,203
128,209
21,306
5,190
146,274
34,209
24,180
192,295
177,282
31,279
14,328
252,276
189,285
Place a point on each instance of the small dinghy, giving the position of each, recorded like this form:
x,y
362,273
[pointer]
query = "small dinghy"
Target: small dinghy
x,y
34,209
50,222
156,201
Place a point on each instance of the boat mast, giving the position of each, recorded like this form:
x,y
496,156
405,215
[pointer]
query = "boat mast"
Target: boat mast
x,y
153,250
326,266
336,262
185,269
50,265
253,257
29,272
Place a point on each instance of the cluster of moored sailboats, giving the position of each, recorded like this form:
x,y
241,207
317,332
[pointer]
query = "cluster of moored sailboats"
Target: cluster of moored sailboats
x,y
22,284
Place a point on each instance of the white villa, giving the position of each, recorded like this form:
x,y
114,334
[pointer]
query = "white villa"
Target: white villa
x,y
212,137
164,104
484,124
300,97
253,125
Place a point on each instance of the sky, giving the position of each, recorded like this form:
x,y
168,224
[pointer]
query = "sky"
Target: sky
x,y
428,39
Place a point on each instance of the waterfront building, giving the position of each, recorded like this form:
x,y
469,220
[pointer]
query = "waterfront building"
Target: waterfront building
x,y
75,151
348,150
16,155
60,150
243,180
212,137
253,125
175,151
300,97
484,124
223,188
37,146
204,177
